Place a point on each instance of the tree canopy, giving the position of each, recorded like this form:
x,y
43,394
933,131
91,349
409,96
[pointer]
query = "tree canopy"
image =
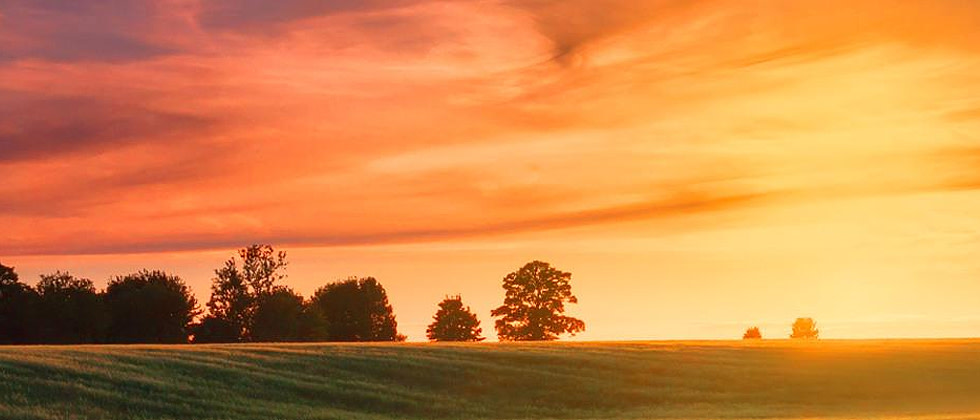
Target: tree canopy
x,y
752,334
281,315
235,291
534,304
357,309
454,322
69,310
805,329
8,275
18,301
149,307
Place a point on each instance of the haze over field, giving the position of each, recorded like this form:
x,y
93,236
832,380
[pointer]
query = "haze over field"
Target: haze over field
x,y
699,166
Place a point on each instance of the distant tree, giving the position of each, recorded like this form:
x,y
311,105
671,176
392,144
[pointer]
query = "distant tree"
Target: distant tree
x,y
69,310
278,316
454,322
805,328
236,289
18,303
212,329
534,304
357,310
752,334
149,307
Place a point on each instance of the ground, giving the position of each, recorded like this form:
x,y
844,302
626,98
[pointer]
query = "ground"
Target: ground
x,y
896,379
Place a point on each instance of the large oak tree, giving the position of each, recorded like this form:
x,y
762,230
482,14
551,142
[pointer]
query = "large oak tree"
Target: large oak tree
x,y
534,304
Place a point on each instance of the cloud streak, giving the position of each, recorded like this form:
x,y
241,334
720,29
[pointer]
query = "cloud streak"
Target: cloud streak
x,y
181,125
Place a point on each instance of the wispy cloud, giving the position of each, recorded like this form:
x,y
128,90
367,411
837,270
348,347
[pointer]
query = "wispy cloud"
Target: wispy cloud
x,y
156,126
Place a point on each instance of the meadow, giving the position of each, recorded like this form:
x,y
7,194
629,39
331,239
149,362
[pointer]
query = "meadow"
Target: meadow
x,y
888,379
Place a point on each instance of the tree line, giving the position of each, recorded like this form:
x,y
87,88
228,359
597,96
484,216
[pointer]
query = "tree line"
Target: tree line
x,y
250,303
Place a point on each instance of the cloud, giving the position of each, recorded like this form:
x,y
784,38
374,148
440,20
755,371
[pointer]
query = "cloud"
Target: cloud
x,y
110,31
95,242
573,24
247,15
36,126
375,122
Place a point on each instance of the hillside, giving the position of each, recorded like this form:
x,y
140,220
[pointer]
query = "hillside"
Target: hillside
x,y
774,379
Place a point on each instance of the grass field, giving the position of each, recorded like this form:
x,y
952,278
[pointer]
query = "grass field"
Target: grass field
x,y
771,379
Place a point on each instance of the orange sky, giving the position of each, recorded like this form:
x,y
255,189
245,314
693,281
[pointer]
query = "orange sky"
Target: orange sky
x,y
700,166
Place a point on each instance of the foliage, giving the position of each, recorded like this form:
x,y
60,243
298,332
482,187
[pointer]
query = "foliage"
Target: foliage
x,y
262,268
312,325
149,307
278,316
69,310
18,302
752,334
236,289
357,310
454,322
8,275
212,329
805,329
534,304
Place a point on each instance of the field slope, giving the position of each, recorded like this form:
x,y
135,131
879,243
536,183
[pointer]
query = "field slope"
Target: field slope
x,y
772,379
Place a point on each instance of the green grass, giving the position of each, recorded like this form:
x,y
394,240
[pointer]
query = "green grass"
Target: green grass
x,y
771,379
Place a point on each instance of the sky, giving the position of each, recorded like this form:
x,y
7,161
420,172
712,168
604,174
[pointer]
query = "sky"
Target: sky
x,y
699,166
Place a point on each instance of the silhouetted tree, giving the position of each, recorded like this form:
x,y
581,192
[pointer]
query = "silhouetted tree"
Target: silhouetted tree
x,y
69,310
215,330
17,309
278,316
235,290
357,310
805,328
229,307
752,334
262,268
8,275
534,304
454,322
149,307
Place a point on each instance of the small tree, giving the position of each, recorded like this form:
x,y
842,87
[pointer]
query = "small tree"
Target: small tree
x,y
235,291
149,307
69,310
805,329
752,334
357,310
18,315
454,322
534,304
